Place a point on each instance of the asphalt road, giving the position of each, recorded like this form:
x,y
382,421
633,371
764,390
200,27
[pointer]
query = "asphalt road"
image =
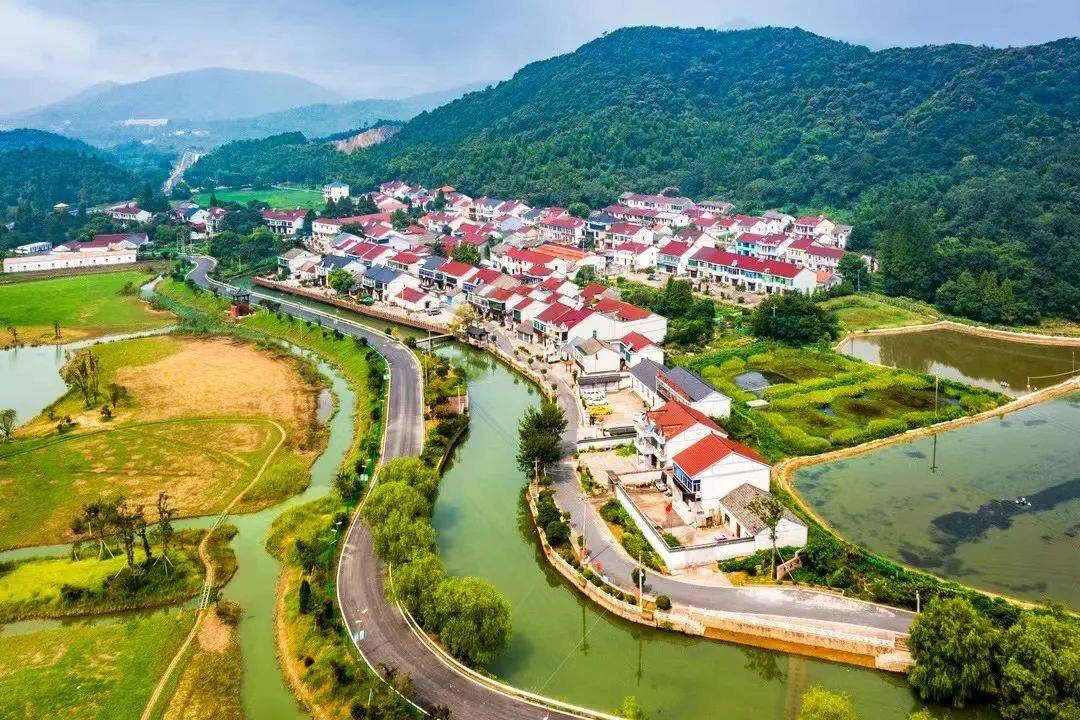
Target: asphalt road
x,y
787,602
387,638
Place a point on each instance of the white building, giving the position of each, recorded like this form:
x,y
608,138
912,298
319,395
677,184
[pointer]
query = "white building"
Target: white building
x,y
66,260
335,191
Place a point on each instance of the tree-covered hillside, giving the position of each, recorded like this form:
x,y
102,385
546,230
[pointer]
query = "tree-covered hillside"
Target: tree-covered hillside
x,y
982,142
42,169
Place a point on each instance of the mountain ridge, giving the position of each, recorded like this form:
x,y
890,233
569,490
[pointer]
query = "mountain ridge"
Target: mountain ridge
x,y
769,117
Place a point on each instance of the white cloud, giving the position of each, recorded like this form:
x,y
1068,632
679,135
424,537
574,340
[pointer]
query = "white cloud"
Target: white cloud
x,y
36,42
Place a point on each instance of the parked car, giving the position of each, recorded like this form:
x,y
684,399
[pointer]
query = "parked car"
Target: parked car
x,y
434,310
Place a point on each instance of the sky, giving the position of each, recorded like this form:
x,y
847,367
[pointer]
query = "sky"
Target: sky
x,y
52,48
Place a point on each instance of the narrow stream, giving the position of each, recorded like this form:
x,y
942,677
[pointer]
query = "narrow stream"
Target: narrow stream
x,y
264,691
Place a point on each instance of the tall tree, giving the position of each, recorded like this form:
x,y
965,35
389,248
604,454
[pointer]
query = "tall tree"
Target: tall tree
x,y
771,511
906,255
794,318
1040,668
953,646
7,422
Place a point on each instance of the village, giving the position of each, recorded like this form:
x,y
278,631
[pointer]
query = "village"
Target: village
x,y
530,281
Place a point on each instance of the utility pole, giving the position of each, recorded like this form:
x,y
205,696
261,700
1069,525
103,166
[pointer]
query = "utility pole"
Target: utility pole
x,y
935,395
640,578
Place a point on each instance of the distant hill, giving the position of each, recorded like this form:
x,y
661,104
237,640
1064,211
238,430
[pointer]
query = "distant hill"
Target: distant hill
x,y
207,94
43,169
206,108
27,138
982,141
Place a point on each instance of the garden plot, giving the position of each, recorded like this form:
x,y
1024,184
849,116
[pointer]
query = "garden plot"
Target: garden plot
x,y
819,400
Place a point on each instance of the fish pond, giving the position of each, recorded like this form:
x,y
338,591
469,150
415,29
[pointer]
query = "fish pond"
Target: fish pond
x,y
1008,366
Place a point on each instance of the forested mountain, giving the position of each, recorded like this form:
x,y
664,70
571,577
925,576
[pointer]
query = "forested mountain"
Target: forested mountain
x,y
42,169
982,141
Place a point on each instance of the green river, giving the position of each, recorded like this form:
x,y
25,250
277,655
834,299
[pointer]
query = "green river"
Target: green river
x,y
562,645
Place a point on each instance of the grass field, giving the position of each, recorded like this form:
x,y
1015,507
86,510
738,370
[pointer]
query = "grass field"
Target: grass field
x,y
199,424
103,671
820,400
209,688
33,588
869,312
84,305
275,198
343,353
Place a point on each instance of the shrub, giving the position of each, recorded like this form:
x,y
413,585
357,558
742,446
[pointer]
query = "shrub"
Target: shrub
x,y
558,533
663,603
841,578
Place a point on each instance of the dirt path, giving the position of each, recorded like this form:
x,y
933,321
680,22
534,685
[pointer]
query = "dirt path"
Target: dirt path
x,y
204,555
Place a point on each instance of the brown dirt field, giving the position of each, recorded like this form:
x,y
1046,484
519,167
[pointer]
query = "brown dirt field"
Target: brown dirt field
x,y
218,377
214,635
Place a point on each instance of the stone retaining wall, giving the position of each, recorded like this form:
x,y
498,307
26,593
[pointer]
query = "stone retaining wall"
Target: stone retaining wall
x,y
878,649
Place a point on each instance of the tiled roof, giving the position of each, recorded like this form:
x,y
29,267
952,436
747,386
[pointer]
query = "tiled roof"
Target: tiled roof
x,y
737,501
624,310
636,341
674,417
708,451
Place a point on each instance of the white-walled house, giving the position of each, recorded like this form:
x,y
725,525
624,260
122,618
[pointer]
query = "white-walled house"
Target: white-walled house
x,y
713,466
663,433
688,387
292,260
593,357
335,191
734,513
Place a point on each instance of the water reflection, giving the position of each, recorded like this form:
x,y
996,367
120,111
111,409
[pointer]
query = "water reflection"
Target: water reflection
x,y
1004,365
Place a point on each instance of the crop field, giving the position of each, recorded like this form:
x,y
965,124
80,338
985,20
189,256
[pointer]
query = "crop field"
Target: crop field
x,y
867,312
276,198
85,306
198,419
819,400
100,671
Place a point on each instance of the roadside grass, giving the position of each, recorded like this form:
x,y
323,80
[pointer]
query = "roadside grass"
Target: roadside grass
x,y
36,587
209,687
821,400
284,198
85,306
101,671
870,312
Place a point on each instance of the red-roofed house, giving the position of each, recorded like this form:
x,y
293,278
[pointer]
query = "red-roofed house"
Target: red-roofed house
x,y
635,347
563,230
749,273
623,232
284,222
626,318
635,256
453,274
413,299
663,433
813,225
709,469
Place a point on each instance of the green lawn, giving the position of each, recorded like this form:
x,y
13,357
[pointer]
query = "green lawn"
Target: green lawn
x,y
275,198
103,671
84,305
869,312
829,400
202,464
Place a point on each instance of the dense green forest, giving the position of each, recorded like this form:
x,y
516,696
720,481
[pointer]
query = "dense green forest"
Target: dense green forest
x,y
42,169
982,143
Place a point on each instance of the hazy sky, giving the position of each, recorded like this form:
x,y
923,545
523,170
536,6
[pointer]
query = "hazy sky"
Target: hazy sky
x,y
50,48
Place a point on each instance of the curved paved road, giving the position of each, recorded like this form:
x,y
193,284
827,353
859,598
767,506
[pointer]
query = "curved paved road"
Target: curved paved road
x,y
388,639
785,602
